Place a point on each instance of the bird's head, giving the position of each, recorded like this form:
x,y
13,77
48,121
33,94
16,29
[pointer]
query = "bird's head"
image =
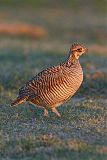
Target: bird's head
x,y
76,51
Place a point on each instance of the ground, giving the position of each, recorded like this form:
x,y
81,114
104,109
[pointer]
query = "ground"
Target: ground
x,y
81,132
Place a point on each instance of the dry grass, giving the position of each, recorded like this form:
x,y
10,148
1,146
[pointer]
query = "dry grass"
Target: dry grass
x,y
16,29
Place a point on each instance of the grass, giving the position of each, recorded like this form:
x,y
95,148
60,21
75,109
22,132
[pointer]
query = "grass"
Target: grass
x,y
26,134
81,132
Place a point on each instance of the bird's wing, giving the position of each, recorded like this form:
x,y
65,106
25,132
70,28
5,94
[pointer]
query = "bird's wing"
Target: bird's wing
x,y
42,82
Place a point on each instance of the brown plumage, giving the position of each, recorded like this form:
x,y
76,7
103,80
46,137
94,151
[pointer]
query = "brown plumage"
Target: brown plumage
x,y
55,85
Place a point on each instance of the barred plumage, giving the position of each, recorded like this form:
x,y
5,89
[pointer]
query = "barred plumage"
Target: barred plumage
x,y
55,85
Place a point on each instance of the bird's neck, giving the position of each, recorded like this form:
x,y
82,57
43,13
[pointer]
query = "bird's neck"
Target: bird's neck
x,y
71,60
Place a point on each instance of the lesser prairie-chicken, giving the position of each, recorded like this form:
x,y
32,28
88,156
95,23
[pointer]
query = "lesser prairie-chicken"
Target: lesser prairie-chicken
x,y
55,85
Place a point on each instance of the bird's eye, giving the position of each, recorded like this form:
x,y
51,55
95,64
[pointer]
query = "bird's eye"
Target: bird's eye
x,y
79,49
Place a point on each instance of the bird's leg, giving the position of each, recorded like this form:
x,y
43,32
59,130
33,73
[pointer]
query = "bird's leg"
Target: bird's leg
x,y
55,111
45,112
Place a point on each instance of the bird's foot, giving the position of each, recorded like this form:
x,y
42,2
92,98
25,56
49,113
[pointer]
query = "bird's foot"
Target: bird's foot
x,y
56,112
46,113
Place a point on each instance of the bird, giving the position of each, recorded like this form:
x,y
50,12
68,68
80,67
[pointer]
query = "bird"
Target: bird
x,y
55,85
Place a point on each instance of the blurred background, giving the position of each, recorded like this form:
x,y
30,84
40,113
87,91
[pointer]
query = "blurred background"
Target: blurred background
x,y
36,34
53,25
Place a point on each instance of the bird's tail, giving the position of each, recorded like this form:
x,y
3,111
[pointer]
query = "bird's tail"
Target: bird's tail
x,y
18,101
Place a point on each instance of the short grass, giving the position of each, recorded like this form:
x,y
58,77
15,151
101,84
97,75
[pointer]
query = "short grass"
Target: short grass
x,y
25,134
81,132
